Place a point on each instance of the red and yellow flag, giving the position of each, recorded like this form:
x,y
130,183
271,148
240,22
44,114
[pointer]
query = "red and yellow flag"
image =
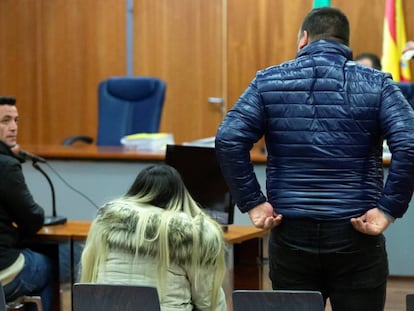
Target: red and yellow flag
x,y
394,40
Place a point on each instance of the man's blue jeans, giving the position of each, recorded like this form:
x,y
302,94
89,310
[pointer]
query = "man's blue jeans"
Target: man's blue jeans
x,y
36,278
346,266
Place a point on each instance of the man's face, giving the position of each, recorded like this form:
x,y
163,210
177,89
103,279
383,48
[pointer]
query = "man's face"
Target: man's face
x,y
366,62
8,124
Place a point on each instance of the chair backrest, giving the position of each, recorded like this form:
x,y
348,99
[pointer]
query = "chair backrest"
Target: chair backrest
x,y
96,297
2,299
19,302
409,300
128,105
280,300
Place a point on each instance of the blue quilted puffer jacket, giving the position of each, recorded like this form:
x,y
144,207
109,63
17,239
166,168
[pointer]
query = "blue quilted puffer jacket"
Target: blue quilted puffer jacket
x,y
324,119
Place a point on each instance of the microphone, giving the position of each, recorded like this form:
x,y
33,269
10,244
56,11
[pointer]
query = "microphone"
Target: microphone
x,y
27,155
54,219
49,220
24,155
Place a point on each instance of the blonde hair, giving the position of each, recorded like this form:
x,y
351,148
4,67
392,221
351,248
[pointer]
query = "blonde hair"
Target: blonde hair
x,y
181,234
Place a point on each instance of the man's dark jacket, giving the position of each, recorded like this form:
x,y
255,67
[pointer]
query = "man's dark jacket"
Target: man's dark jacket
x,y
324,118
20,216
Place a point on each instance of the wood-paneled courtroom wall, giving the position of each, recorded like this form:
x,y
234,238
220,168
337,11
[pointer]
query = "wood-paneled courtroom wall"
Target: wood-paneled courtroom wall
x,y
53,53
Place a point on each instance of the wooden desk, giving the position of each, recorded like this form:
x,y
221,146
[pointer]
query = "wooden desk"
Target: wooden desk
x,y
78,230
93,152
74,231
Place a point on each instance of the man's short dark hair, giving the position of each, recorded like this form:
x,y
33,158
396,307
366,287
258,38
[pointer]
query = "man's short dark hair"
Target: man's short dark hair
x,y
327,23
376,62
7,100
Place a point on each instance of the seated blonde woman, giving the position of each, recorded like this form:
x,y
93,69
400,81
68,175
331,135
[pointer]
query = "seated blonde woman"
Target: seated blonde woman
x,y
158,236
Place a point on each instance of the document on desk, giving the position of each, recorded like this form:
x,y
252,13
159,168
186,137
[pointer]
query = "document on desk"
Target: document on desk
x,y
148,141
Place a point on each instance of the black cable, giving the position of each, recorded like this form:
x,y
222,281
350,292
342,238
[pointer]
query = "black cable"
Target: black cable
x,y
71,187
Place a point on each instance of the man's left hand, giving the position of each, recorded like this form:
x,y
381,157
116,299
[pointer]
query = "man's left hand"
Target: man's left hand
x,y
373,222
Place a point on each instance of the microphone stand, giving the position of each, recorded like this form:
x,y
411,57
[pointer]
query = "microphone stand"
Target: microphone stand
x,y
50,220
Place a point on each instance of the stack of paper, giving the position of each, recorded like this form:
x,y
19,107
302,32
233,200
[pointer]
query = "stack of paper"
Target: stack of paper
x,y
202,142
148,141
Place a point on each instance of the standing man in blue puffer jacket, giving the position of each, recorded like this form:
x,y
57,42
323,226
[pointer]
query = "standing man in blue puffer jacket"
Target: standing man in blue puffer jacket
x,y
324,119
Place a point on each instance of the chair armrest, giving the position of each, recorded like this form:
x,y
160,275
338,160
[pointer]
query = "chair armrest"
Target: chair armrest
x,y
73,139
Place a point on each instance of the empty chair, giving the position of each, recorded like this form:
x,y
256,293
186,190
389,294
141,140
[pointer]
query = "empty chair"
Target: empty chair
x,y
127,105
97,297
409,299
277,300
2,299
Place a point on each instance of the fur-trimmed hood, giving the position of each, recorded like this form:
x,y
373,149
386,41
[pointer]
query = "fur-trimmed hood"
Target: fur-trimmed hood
x,y
122,225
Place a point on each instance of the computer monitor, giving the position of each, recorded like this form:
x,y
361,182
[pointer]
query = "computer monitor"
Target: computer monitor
x,y
201,173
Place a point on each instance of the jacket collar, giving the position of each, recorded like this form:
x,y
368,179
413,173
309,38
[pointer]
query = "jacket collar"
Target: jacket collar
x,y
326,47
6,150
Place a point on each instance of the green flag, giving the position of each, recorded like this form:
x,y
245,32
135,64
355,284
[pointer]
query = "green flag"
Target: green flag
x,y
320,3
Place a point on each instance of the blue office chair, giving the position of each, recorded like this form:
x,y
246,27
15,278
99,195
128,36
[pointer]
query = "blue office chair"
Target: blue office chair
x,y
127,105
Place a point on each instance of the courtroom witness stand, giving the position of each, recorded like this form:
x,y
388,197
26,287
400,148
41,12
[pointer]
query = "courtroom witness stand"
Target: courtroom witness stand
x,y
158,236
22,271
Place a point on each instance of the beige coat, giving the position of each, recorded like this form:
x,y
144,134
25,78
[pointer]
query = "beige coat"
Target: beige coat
x,y
185,288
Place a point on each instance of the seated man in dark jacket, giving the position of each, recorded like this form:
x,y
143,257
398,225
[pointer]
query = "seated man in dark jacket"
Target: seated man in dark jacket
x,y
324,118
407,89
22,271
372,60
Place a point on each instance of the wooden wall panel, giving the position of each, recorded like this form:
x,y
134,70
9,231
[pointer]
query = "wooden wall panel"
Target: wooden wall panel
x,y
262,33
367,20
18,54
64,48
181,43
84,42
54,53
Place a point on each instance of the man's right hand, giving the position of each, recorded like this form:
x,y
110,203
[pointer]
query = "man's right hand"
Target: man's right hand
x,y
263,216
373,222
408,46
